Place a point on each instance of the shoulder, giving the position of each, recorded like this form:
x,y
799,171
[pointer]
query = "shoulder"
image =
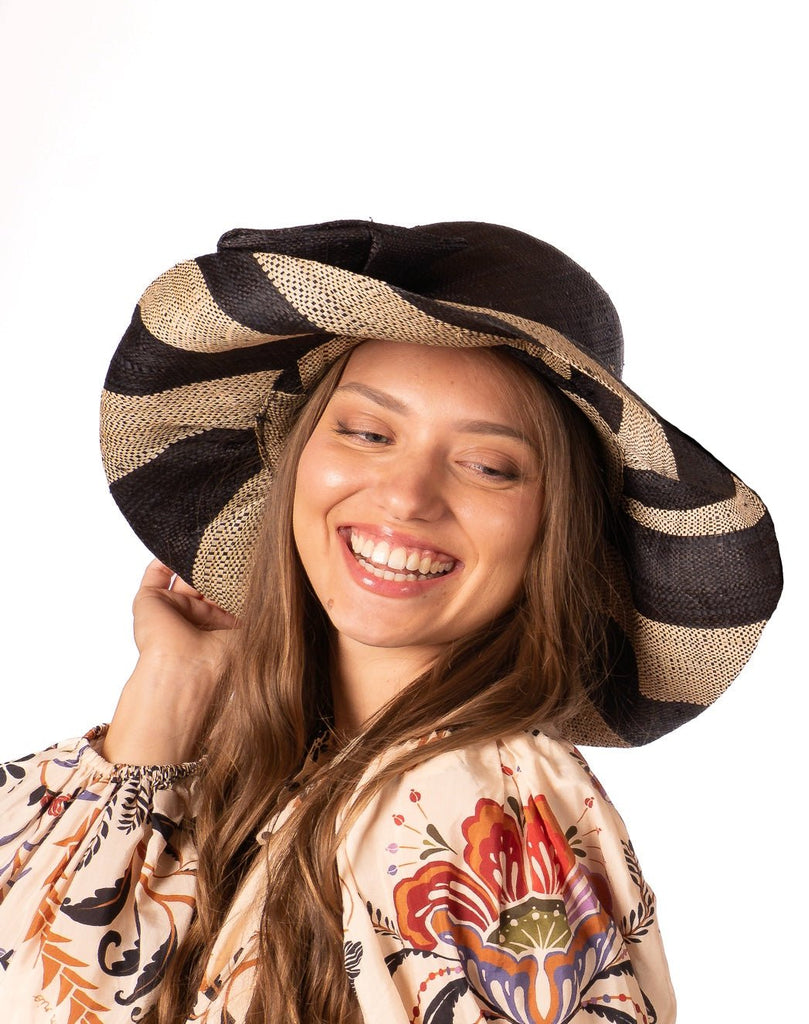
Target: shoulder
x,y
508,858
525,781
530,763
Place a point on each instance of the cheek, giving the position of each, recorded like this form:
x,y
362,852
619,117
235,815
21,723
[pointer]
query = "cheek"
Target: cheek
x,y
322,481
304,505
323,468
512,541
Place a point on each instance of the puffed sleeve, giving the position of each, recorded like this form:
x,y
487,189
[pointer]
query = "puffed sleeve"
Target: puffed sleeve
x,y
97,880
498,883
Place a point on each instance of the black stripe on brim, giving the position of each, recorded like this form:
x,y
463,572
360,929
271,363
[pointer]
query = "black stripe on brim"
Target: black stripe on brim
x,y
142,365
205,471
707,582
242,289
625,710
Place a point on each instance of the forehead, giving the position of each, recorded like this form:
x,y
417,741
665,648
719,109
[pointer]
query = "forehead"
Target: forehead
x,y
477,372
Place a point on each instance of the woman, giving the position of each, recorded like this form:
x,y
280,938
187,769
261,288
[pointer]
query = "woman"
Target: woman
x,y
452,573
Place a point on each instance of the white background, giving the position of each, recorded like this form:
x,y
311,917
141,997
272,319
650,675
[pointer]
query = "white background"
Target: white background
x,y
660,146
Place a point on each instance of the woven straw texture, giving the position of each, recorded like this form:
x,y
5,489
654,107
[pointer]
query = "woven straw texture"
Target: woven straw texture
x,y
222,351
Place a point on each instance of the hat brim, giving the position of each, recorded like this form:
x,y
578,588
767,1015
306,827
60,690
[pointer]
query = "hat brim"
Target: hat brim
x,y
237,338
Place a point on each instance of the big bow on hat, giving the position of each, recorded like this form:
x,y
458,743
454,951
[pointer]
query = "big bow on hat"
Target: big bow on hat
x,y
222,351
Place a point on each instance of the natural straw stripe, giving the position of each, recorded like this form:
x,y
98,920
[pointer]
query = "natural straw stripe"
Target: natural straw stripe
x,y
234,531
741,512
313,364
689,664
135,429
340,302
179,310
611,450
590,729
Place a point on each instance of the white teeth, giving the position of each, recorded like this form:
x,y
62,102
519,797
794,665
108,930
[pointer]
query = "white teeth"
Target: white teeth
x,y
412,562
387,562
381,553
397,558
388,574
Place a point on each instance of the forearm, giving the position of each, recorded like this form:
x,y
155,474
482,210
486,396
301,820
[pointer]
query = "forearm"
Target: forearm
x,y
160,714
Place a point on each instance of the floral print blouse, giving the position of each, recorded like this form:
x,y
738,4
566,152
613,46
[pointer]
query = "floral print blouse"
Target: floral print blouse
x,y
491,883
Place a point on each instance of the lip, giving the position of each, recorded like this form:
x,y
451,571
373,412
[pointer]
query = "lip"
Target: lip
x,y
392,588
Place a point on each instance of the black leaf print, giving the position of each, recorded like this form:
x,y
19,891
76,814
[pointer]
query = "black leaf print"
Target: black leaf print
x,y
134,809
37,795
575,842
163,824
12,770
651,1012
152,973
167,828
129,962
632,863
95,843
616,970
393,961
516,810
441,1009
352,954
5,958
382,925
643,916
103,906
610,1013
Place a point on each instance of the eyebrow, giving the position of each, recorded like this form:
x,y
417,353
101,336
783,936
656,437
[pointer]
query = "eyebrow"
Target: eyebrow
x,y
380,397
464,426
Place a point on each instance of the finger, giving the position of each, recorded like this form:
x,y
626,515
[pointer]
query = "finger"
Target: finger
x,y
212,617
179,586
197,608
157,575
215,617
205,612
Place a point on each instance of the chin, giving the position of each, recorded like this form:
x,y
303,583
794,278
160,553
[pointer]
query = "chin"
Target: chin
x,y
375,633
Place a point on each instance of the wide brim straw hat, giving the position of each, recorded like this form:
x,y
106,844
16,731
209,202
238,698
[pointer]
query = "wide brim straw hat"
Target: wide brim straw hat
x,y
223,350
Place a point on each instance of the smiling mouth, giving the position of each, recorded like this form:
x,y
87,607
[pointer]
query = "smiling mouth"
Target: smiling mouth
x,y
395,562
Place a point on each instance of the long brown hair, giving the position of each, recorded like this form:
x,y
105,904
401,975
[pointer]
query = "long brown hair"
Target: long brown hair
x,y
531,667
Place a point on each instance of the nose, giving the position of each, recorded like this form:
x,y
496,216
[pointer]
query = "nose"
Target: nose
x,y
411,488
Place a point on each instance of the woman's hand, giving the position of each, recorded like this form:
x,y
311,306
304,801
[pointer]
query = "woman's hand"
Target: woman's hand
x,y
182,639
174,622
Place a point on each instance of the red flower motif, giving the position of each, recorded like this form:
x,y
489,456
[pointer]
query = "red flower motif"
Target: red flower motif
x,y
55,805
414,796
518,907
398,819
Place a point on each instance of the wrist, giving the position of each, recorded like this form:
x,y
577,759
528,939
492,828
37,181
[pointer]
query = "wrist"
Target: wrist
x,y
160,713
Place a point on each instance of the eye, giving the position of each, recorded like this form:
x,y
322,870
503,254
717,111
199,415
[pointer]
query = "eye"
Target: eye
x,y
493,472
370,437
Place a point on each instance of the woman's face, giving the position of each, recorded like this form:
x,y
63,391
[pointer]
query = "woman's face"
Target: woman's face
x,y
417,498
